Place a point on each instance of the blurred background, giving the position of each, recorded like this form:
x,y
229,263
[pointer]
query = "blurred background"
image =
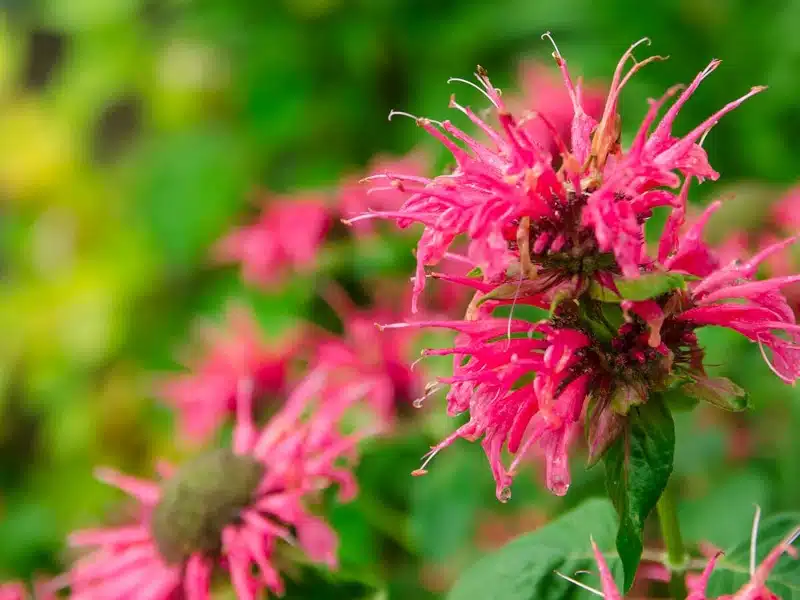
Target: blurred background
x,y
135,133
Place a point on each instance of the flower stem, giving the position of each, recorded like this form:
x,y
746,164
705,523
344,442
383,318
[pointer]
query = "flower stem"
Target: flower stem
x,y
671,533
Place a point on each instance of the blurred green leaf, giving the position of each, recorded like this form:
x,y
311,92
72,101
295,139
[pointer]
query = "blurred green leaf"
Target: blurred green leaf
x,y
722,515
188,190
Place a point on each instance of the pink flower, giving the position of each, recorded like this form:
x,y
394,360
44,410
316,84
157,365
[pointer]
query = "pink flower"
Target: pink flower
x,y
521,213
355,199
286,238
205,396
13,591
489,359
786,212
363,356
728,296
228,509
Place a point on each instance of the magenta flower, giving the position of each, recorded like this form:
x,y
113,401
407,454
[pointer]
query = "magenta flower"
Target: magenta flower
x,y
227,509
728,296
287,237
490,356
13,591
525,218
205,396
618,355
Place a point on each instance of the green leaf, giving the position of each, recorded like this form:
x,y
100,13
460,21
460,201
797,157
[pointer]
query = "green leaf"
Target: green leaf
x,y
649,285
524,569
733,570
638,466
476,272
719,391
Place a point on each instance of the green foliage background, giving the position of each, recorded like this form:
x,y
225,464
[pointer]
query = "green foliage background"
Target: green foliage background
x,y
132,135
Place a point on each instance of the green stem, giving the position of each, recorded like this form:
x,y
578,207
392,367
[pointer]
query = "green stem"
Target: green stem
x,y
671,533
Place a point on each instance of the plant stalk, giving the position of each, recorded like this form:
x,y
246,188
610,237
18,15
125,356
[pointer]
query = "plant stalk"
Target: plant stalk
x,y
667,509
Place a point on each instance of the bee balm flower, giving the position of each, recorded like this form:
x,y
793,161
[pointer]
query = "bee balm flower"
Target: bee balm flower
x,y
526,217
226,509
206,395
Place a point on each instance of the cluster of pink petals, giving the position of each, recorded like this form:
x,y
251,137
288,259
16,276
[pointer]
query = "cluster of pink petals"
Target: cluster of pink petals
x,y
755,589
286,237
13,591
205,396
728,296
489,358
492,356
508,177
363,357
302,450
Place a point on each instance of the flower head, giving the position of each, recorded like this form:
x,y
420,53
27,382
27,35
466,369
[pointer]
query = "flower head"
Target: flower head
x,y
227,508
285,238
205,396
573,221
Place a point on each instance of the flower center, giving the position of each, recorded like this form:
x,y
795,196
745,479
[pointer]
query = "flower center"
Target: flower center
x,y
560,246
207,494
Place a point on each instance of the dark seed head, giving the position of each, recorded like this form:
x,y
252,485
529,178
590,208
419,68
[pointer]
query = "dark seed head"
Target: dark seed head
x,y
200,500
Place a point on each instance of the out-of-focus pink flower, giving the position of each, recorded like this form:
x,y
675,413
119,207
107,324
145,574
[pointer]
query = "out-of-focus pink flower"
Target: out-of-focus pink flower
x,y
205,396
286,237
355,198
525,218
13,591
543,93
363,356
226,509
786,212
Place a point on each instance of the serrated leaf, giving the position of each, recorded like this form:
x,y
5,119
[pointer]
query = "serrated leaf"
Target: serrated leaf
x,y
719,391
524,568
733,569
638,466
649,285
